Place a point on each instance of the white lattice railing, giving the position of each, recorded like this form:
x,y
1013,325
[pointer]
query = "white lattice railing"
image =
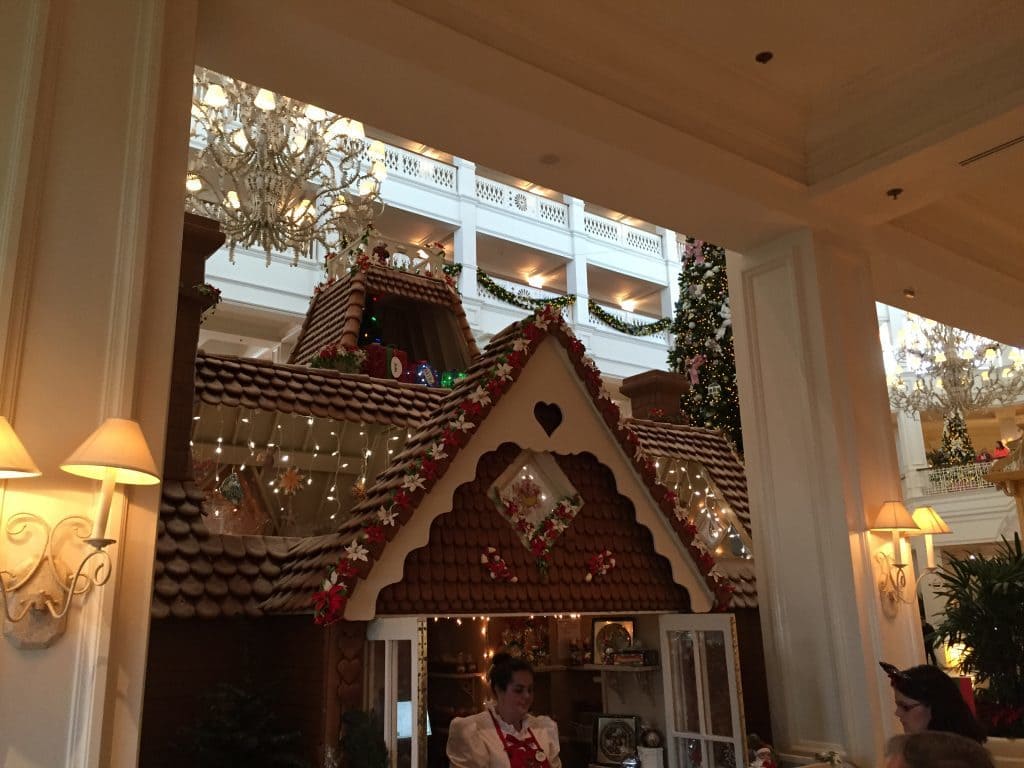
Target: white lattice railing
x,y
616,232
522,202
426,170
967,477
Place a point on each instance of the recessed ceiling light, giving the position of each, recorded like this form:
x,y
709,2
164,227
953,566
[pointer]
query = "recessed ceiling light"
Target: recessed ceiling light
x,y
909,293
894,192
764,57
550,158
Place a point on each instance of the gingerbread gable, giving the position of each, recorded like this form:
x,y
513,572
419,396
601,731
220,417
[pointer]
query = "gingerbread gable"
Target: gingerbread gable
x,y
447,575
534,366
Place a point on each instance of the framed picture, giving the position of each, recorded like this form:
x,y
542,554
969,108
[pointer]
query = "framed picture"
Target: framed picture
x,y
611,634
615,738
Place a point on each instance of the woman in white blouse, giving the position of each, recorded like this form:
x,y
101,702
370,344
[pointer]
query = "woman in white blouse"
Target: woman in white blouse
x,y
505,734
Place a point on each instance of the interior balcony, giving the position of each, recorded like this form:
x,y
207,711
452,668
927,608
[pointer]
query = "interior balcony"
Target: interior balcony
x,y
529,242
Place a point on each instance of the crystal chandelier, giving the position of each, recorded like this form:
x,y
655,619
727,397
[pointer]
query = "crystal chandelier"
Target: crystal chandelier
x,y
946,370
279,174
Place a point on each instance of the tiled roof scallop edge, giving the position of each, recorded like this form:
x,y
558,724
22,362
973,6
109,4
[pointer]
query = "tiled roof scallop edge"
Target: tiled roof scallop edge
x,y
202,575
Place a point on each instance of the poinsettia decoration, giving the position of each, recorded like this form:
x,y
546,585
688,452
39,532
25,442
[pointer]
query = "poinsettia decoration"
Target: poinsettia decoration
x,y
600,564
496,566
467,406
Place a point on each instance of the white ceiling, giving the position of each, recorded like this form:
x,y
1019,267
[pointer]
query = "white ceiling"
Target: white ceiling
x,y
659,110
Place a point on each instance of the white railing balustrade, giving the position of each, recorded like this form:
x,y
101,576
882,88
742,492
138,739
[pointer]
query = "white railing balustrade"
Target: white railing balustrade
x,y
639,240
625,236
600,227
521,202
426,170
967,477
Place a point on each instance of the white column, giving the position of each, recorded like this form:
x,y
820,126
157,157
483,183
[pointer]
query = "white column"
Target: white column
x,y
576,269
95,98
820,460
465,235
911,441
673,266
1007,422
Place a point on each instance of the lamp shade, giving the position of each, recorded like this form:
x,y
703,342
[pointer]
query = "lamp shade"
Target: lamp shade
x,y
928,521
117,445
14,459
893,516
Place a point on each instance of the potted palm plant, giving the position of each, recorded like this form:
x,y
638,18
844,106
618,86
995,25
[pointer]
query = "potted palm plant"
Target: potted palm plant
x,y
985,614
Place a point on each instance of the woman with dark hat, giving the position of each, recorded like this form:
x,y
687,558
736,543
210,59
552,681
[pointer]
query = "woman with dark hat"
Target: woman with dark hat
x,y
927,699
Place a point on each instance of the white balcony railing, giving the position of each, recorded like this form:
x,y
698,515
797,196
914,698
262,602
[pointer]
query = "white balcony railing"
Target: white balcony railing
x,y
968,477
522,202
620,234
423,169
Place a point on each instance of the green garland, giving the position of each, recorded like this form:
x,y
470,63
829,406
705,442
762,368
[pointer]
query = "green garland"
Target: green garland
x,y
488,285
630,329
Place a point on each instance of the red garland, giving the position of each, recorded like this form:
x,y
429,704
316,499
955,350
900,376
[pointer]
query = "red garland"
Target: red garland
x,y
495,388
471,408
375,534
402,499
428,469
346,568
516,359
533,333
452,438
329,605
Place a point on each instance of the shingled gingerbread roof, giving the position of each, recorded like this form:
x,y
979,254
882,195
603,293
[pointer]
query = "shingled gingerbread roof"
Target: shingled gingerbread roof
x,y
204,575
393,499
707,446
336,310
321,392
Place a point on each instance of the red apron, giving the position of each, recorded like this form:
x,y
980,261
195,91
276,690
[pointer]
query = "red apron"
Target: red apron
x,y
522,754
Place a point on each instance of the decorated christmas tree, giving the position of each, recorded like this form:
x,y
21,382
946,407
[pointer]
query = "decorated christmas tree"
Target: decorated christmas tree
x,y
956,443
703,349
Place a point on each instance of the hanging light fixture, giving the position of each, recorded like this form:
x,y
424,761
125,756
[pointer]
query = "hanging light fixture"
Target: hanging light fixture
x,y
952,370
279,174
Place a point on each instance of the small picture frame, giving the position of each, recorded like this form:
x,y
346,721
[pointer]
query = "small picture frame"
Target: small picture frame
x,y
615,738
610,634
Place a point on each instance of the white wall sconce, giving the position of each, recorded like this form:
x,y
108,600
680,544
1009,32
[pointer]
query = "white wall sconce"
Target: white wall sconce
x,y
37,592
929,524
893,518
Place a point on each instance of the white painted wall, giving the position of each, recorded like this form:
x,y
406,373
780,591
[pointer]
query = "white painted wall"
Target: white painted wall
x,y
95,97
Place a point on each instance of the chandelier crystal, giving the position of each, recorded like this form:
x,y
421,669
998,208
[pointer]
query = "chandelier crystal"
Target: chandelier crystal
x,y
946,370
279,174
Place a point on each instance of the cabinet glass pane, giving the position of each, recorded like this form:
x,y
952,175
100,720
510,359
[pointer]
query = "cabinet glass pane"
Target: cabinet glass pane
x,y
377,682
684,681
404,717
723,754
688,753
718,697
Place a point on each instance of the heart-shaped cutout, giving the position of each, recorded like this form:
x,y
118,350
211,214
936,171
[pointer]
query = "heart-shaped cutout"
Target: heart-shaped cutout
x,y
548,415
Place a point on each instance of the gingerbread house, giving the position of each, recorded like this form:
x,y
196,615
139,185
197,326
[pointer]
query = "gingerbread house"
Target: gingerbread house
x,y
368,540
